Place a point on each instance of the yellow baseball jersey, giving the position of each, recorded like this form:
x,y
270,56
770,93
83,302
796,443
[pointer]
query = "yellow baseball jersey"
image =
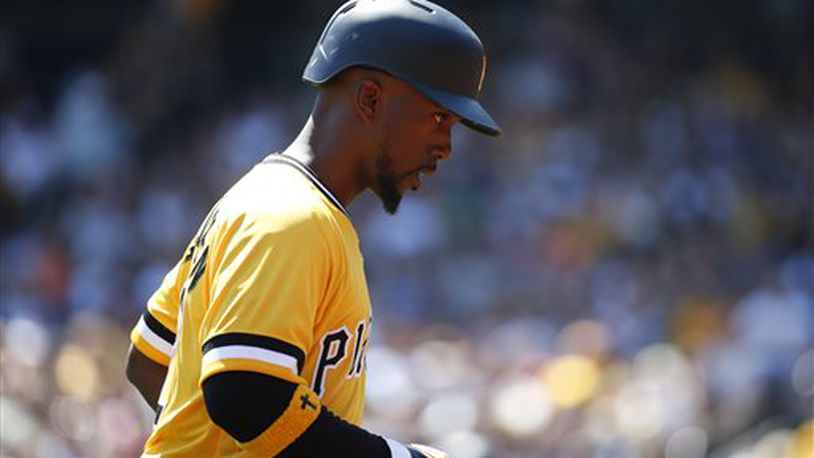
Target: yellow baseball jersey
x,y
273,282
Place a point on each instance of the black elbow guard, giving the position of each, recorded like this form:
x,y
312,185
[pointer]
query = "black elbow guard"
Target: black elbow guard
x,y
244,404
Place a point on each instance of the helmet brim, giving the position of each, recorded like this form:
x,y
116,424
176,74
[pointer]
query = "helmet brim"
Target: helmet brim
x,y
471,112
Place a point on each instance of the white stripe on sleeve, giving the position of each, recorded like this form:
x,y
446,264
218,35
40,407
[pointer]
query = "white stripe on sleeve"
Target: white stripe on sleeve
x,y
154,339
248,352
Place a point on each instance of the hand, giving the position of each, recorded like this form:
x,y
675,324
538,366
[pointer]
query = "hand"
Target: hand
x,y
425,451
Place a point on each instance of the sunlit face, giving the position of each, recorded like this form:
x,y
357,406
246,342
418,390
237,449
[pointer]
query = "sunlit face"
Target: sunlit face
x,y
416,135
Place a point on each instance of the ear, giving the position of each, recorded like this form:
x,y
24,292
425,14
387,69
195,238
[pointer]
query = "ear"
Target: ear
x,y
368,98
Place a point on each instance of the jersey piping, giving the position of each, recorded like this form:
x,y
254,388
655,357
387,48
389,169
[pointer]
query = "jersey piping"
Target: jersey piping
x,y
278,158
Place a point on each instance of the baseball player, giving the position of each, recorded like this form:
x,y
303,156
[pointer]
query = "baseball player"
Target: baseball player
x,y
255,342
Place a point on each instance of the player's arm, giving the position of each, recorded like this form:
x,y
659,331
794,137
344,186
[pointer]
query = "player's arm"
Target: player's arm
x,y
146,375
149,355
152,338
275,417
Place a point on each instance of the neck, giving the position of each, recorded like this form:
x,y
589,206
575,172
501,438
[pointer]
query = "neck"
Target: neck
x,y
319,146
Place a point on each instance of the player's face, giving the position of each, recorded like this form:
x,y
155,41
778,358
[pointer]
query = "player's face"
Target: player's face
x,y
417,134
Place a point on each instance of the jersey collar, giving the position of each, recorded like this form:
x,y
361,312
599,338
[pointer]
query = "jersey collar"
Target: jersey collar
x,y
277,158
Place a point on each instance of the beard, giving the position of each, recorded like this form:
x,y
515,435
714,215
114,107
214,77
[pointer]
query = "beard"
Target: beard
x,y
387,182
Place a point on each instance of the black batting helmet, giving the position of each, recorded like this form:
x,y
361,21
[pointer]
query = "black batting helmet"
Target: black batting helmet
x,y
416,41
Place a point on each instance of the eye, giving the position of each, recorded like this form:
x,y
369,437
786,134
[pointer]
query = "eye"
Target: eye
x,y
440,117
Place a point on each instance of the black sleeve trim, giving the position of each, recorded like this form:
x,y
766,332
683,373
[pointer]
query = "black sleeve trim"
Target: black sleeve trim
x,y
256,340
159,329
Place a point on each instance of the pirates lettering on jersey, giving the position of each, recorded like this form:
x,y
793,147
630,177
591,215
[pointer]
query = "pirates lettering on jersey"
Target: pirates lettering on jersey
x,y
333,348
333,351
358,362
197,255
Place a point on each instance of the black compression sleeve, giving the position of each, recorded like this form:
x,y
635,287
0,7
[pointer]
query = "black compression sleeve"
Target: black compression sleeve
x,y
244,404
329,435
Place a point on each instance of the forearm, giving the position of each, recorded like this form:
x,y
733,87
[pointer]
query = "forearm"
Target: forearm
x,y
146,375
329,435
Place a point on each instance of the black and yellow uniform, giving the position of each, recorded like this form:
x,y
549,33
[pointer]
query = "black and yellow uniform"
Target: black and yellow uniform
x,y
272,284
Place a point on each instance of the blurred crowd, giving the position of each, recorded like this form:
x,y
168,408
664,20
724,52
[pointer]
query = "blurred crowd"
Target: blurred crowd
x,y
627,272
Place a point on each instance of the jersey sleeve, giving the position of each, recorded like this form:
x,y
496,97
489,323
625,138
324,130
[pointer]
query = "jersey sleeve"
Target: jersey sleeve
x,y
154,334
266,287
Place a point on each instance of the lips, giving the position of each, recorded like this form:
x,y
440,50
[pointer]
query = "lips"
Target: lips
x,y
423,171
414,177
417,185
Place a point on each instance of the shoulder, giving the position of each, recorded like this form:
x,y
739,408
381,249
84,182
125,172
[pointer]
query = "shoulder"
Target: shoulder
x,y
274,203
